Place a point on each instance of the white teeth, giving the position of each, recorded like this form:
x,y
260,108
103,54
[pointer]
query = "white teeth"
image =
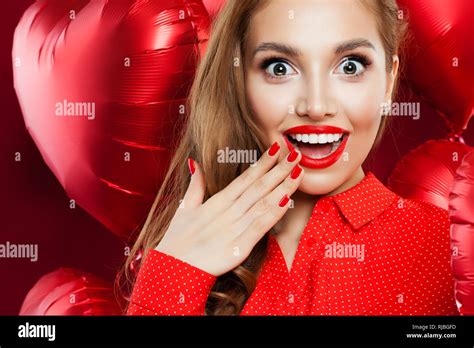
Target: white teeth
x,y
317,138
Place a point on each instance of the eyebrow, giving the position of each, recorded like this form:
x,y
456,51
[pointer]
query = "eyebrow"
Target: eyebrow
x,y
295,52
353,44
278,47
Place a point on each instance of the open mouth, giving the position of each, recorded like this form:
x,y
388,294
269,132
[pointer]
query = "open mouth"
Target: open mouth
x,y
316,146
321,146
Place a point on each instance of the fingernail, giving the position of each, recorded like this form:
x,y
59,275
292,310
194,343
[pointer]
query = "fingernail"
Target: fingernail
x,y
284,201
292,156
191,166
296,172
274,149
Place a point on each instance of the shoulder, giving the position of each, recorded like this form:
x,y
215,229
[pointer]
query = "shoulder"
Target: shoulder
x,y
426,237
424,210
421,216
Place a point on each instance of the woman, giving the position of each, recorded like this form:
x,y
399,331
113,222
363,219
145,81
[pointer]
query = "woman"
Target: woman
x,y
303,83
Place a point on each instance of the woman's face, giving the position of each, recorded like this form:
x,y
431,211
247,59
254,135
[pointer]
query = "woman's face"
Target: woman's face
x,y
316,63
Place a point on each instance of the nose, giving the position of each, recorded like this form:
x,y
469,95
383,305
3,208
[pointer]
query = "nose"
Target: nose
x,y
316,101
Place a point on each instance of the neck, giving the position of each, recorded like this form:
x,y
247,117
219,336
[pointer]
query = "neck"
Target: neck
x,y
353,180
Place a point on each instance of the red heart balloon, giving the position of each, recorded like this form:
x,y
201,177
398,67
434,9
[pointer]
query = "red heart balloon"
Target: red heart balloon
x,y
213,7
440,64
427,172
68,291
102,86
461,214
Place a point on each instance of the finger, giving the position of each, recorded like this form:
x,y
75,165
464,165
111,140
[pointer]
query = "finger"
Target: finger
x,y
232,191
265,184
271,203
196,189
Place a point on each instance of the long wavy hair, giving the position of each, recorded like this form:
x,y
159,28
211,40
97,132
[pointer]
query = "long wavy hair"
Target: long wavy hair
x,y
219,116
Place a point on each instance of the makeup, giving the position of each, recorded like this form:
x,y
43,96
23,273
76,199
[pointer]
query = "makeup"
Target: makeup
x,y
320,146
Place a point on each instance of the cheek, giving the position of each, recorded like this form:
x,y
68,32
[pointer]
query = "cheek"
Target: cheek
x,y
361,102
269,103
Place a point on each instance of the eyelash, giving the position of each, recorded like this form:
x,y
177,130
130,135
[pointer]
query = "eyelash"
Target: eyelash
x,y
270,60
361,58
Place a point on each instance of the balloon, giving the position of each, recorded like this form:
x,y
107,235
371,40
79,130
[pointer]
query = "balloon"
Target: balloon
x,y
427,172
213,7
440,64
102,86
67,291
461,213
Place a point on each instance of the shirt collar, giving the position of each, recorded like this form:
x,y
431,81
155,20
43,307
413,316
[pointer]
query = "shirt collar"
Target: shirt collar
x,y
365,201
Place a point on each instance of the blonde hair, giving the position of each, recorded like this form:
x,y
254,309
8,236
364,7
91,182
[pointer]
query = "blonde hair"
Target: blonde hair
x,y
220,117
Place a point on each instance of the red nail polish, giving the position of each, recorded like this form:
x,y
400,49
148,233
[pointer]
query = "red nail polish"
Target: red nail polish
x,y
284,201
191,166
292,156
274,149
296,172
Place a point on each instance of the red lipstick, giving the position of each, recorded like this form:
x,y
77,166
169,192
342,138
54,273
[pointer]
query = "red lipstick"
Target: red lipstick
x,y
307,148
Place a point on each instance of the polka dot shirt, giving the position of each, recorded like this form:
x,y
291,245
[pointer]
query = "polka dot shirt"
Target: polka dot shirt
x,y
365,251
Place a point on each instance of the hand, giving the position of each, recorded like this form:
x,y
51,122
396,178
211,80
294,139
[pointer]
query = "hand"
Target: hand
x,y
218,235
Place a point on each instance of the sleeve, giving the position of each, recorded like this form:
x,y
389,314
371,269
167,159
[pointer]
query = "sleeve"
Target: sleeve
x,y
433,282
166,285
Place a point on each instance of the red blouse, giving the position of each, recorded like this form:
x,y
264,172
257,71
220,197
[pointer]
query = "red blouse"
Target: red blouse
x,y
365,251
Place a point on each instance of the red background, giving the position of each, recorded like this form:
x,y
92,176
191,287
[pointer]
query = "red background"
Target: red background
x,y
35,210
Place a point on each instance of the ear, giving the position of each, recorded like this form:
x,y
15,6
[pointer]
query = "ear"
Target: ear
x,y
391,77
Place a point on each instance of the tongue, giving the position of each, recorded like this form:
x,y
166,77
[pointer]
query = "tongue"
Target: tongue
x,y
315,150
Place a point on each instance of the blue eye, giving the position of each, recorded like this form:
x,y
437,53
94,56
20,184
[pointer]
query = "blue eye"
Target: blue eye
x,y
276,68
352,66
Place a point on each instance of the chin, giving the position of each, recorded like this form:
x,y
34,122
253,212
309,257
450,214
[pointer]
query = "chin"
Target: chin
x,y
327,181
320,183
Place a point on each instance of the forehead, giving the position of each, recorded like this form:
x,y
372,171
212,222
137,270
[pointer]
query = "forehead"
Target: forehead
x,y
313,24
